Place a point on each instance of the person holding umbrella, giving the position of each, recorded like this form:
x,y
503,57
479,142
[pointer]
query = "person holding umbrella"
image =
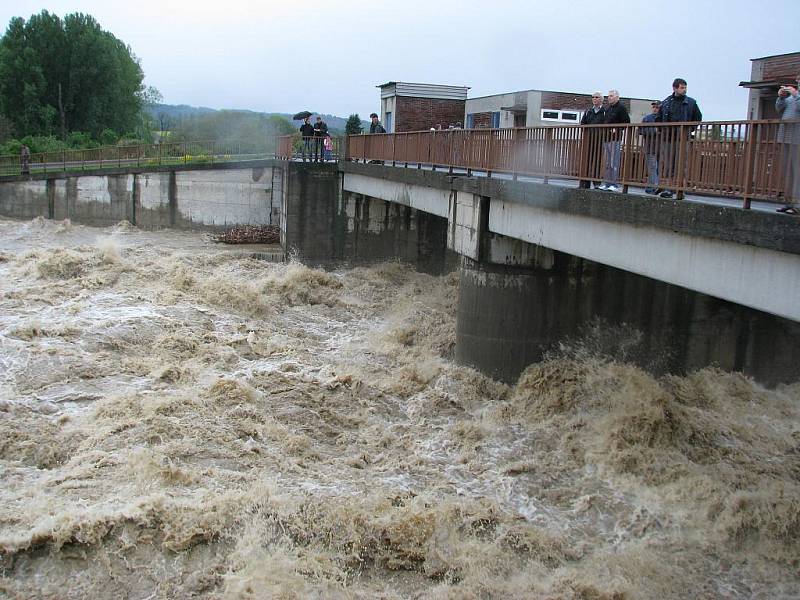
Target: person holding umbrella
x,y
307,131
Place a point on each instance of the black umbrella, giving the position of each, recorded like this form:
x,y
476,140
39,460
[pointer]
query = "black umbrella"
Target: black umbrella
x,y
304,114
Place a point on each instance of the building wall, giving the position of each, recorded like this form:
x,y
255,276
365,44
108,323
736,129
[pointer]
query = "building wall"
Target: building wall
x,y
388,105
537,101
780,67
760,102
417,114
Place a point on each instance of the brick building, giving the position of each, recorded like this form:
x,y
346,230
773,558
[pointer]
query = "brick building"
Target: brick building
x,y
419,106
530,108
767,74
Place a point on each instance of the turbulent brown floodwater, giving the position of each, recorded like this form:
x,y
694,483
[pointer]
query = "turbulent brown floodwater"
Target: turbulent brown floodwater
x,y
181,421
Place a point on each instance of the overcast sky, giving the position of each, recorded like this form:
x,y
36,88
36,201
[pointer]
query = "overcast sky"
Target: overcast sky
x,y
329,56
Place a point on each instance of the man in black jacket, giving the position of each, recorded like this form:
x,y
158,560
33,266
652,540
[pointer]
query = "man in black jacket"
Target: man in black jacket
x,y
320,131
590,151
612,145
307,131
375,125
676,108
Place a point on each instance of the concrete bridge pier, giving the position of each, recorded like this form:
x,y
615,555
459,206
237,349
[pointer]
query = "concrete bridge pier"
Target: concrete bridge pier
x,y
512,311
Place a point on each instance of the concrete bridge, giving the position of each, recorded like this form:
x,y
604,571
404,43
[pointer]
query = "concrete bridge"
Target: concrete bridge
x,y
539,264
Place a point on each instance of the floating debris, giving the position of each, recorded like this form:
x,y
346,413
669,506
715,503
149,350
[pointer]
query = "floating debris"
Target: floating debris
x,y
251,234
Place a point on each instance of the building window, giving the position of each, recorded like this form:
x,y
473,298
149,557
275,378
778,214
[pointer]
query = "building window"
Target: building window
x,y
496,120
471,121
563,116
388,123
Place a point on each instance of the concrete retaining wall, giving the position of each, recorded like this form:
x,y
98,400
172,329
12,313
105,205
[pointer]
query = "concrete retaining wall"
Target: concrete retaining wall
x,y
185,199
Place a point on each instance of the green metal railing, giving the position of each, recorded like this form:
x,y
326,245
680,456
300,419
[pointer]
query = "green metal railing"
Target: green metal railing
x,y
149,155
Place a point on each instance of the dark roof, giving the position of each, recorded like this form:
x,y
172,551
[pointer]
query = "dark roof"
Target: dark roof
x,y
762,84
775,55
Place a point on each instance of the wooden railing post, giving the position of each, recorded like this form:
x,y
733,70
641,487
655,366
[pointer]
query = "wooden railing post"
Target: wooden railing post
x,y
626,160
680,166
748,164
548,154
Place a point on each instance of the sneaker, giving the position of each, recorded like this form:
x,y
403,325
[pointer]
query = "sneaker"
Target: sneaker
x,y
666,194
650,191
612,188
602,186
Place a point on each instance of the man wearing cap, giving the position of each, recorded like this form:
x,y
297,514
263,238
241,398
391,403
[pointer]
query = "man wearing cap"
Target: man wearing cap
x,y
375,126
595,115
788,107
650,147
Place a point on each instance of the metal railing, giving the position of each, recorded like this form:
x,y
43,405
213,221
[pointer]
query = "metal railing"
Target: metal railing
x,y
741,159
297,147
170,153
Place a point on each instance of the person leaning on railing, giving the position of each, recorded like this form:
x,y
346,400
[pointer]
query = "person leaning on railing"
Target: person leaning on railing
x,y
675,108
595,115
650,143
788,107
25,160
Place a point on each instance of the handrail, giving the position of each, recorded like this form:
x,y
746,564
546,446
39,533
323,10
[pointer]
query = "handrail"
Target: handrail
x,y
139,155
740,159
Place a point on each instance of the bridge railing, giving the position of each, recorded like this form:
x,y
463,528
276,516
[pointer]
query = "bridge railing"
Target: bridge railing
x,y
746,159
295,147
140,155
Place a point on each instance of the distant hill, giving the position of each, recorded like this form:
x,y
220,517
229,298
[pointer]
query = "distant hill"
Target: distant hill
x,y
173,113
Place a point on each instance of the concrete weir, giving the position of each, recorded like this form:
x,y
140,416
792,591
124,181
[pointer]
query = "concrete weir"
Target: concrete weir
x,y
511,316
672,286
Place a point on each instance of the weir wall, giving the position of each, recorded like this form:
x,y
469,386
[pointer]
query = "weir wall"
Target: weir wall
x,y
195,198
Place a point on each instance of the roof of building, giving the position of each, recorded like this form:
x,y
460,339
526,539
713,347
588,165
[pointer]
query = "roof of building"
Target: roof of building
x,y
555,92
775,55
423,90
425,84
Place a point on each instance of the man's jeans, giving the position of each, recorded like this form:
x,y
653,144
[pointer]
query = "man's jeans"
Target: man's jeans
x,y
307,141
613,152
652,171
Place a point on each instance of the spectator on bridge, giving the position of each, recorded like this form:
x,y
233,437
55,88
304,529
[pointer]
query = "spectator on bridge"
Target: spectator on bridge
x,y
328,143
307,131
676,108
320,131
595,115
650,146
25,160
612,146
375,125
788,107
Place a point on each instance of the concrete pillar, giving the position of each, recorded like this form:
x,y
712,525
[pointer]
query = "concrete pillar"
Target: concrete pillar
x,y
509,316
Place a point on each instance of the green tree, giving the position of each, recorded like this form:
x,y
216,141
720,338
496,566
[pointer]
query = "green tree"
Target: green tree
x,y
58,76
353,125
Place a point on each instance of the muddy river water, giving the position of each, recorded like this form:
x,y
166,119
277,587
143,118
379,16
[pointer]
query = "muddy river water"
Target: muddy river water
x,y
179,420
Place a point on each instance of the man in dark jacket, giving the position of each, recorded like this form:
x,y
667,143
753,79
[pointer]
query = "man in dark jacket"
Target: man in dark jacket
x,y
320,131
590,151
375,125
612,146
307,131
650,143
676,108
